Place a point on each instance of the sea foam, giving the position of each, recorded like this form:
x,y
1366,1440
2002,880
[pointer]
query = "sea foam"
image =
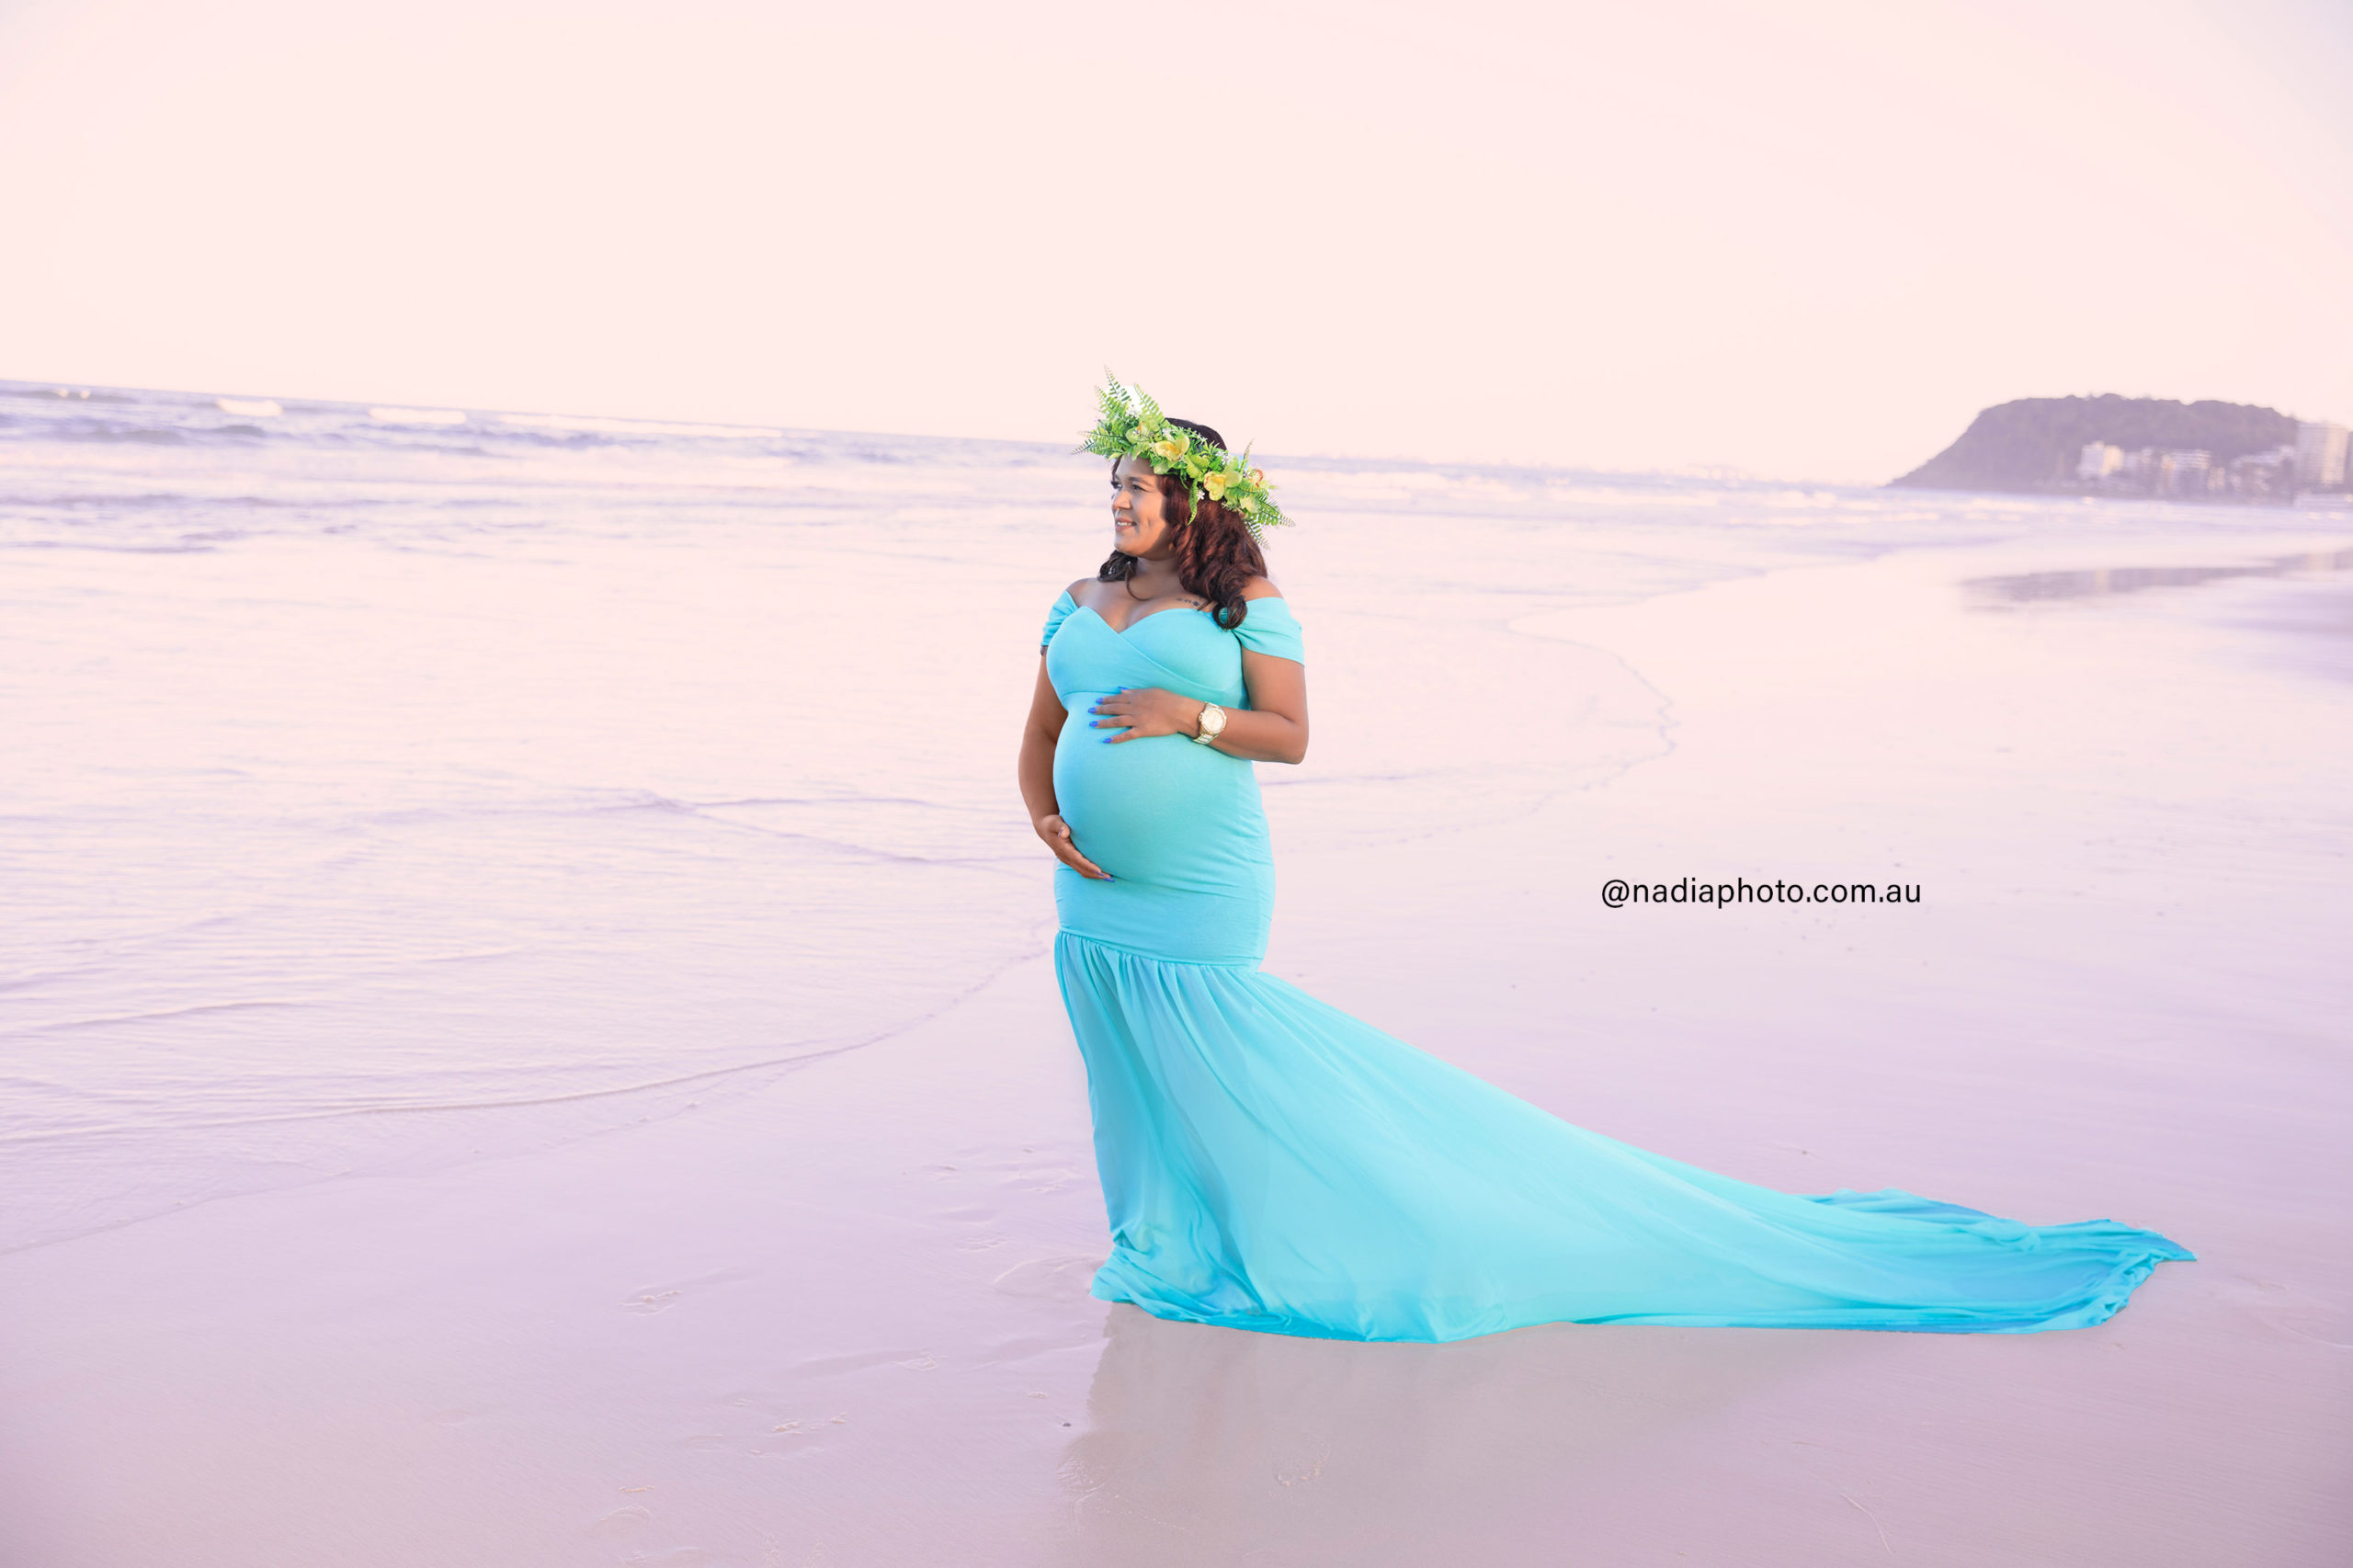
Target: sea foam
x,y
416,415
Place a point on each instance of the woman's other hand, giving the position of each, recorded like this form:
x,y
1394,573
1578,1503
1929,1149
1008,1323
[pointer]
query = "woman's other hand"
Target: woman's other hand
x,y
1146,710
1056,833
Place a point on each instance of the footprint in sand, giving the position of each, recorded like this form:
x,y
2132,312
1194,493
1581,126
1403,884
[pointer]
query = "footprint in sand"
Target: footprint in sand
x,y
651,1301
623,1521
2285,1308
1048,1278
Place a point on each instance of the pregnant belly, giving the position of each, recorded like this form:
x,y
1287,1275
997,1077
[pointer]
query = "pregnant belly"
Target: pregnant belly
x,y
1159,809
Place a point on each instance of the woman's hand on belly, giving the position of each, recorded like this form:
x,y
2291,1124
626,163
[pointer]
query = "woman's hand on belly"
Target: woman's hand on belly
x,y
1146,710
1056,833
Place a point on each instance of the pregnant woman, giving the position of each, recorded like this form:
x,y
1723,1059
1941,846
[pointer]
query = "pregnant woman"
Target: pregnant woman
x,y
1270,1163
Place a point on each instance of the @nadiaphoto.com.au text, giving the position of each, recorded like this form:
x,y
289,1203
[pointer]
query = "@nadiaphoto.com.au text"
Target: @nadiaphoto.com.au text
x,y
1618,892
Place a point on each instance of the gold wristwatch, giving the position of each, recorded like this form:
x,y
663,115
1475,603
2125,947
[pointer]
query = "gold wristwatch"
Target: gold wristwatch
x,y
1212,724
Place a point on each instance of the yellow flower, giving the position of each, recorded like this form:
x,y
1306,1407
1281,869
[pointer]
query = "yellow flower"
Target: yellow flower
x,y
1172,448
1216,483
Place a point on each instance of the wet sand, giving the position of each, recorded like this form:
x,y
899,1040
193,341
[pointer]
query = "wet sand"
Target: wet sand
x,y
835,1312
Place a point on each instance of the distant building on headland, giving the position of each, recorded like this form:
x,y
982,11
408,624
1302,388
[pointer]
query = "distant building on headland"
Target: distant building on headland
x,y
2141,446
2320,456
2100,460
2272,474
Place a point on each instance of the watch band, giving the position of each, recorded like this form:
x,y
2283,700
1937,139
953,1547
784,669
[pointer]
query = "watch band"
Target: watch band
x,y
1212,725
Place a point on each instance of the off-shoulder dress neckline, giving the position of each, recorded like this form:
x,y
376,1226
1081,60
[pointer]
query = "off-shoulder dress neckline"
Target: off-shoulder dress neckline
x,y
1165,609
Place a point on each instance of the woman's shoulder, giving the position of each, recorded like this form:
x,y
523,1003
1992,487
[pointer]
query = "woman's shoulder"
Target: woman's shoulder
x,y
1263,602
1067,604
1267,625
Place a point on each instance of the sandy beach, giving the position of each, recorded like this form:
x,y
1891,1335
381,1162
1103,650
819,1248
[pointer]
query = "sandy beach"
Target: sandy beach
x,y
532,1043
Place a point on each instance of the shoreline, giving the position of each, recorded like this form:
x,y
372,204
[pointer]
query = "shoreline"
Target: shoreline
x,y
841,1315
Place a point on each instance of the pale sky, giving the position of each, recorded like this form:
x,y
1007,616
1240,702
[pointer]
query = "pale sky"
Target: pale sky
x,y
1806,239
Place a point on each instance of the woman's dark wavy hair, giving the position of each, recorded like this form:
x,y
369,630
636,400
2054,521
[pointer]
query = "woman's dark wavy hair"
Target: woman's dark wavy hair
x,y
1215,552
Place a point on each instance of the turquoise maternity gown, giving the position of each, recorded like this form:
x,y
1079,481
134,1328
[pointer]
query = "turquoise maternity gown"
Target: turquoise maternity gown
x,y
1270,1163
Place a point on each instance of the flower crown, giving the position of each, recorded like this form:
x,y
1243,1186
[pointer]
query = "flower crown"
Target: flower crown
x,y
1132,425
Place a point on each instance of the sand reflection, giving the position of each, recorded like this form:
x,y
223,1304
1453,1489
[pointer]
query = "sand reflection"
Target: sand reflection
x,y
1214,1445
2030,587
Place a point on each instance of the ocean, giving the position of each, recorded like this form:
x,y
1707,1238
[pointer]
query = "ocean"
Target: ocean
x,y
393,784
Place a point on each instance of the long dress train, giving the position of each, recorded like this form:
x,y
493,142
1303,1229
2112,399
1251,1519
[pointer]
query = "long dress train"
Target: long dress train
x,y
1270,1163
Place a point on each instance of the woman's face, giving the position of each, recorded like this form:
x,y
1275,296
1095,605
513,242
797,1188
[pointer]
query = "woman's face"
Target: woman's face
x,y
1140,524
